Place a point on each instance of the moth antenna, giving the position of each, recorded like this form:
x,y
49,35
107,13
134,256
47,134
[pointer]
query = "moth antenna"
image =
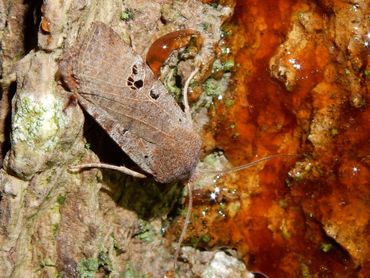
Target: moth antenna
x,y
190,196
185,95
248,165
258,274
121,169
189,183
186,224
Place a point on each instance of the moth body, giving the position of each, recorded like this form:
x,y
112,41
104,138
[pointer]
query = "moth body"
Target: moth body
x,y
116,87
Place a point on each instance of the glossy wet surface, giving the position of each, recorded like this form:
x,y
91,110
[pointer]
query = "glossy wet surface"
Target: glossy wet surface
x,y
278,215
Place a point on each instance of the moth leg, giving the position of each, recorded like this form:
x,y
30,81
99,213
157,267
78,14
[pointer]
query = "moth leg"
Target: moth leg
x,y
189,183
121,169
250,164
185,95
186,223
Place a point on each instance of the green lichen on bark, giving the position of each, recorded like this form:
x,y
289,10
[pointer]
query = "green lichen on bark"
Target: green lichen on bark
x,y
37,121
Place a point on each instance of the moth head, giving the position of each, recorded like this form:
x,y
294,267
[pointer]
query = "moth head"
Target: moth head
x,y
177,156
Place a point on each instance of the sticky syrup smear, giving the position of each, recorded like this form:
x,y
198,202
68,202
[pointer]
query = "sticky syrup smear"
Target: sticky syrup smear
x,y
273,222
161,49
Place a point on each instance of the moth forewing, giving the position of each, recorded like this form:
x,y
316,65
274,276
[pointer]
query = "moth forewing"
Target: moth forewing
x,y
120,92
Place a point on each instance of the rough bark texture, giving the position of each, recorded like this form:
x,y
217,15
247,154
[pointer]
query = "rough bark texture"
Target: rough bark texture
x,y
54,223
302,86
344,35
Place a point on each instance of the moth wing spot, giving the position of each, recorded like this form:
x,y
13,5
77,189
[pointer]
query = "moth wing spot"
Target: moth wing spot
x,y
153,94
134,69
130,81
138,84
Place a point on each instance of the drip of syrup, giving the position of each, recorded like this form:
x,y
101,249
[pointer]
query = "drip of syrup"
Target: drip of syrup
x,y
162,48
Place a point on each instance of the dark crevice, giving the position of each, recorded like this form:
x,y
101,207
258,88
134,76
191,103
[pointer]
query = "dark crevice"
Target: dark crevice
x,y
163,20
31,25
5,147
104,146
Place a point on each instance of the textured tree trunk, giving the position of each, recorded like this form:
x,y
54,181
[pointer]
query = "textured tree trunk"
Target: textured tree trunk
x,y
299,86
55,223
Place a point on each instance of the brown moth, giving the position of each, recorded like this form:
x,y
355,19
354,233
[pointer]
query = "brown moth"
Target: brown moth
x,y
116,87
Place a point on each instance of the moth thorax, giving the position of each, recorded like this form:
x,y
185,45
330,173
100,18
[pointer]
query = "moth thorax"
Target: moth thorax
x,y
177,156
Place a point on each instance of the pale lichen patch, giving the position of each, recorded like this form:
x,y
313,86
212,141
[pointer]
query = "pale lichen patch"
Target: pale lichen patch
x,y
37,121
223,265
